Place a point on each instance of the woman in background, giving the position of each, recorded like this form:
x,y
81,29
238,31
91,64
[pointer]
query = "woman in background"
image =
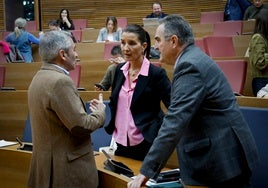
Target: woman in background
x,y
111,32
137,92
22,39
258,52
65,21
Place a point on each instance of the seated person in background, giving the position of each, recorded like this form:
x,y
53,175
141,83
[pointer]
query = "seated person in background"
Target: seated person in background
x,y
234,9
22,39
111,32
107,81
258,52
65,21
157,11
137,92
54,25
253,10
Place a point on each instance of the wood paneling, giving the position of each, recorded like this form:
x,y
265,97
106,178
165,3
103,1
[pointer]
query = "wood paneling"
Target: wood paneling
x,y
96,11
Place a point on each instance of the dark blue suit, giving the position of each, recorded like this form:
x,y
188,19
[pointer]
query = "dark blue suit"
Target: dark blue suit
x,y
145,105
204,124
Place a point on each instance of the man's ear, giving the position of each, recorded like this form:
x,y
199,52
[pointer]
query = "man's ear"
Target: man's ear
x,y
174,39
62,54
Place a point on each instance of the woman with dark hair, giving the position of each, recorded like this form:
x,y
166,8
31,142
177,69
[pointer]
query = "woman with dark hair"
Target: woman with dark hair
x,y
137,92
111,32
65,21
258,52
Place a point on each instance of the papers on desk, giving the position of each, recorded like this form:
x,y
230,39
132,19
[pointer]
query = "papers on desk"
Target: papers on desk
x,y
4,143
172,184
167,179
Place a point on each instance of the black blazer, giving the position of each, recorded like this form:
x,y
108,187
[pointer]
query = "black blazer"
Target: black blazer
x,y
145,105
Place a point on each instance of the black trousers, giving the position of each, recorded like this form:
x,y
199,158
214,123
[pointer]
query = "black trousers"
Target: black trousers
x,y
137,152
241,181
257,84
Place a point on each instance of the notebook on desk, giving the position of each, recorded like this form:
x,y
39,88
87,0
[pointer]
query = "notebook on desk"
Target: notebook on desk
x,y
150,22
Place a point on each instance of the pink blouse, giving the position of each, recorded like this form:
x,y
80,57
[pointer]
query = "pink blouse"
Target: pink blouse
x,y
125,128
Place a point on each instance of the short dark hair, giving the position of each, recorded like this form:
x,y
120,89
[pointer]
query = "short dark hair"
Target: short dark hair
x,y
54,23
158,3
116,50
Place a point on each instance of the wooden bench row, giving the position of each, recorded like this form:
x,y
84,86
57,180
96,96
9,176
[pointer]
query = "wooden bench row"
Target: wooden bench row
x,y
14,109
19,75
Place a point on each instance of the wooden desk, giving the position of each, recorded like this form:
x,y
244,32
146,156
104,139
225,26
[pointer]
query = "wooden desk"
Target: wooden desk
x,y
14,165
14,111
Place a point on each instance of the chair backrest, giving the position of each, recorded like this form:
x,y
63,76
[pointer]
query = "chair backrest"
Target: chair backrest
x,y
212,17
80,24
257,121
90,35
27,134
77,35
107,49
235,71
122,22
200,43
76,74
3,58
31,26
248,27
2,76
228,28
99,137
219,46
4,34
150,22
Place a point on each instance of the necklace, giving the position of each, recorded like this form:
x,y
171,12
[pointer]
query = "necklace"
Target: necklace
x,y
133,73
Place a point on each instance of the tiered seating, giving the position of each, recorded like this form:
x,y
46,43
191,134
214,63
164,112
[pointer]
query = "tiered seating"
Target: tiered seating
x,y
228,28
122,22
219,46
2,76
212,17
77,35
76,75
200,43
93,67
248,27
90,51
235,71
107,49
31,26
96,11
14,111
90,35
80,24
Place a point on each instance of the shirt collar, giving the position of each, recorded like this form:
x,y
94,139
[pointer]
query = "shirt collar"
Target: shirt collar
x,y
144,67
61,68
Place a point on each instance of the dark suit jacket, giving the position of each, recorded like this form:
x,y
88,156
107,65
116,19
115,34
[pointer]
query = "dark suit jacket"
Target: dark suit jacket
x,y
145,104
204,123
152,15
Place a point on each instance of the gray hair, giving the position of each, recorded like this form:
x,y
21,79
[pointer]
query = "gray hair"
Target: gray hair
x,y
52,42
20,24
177,25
